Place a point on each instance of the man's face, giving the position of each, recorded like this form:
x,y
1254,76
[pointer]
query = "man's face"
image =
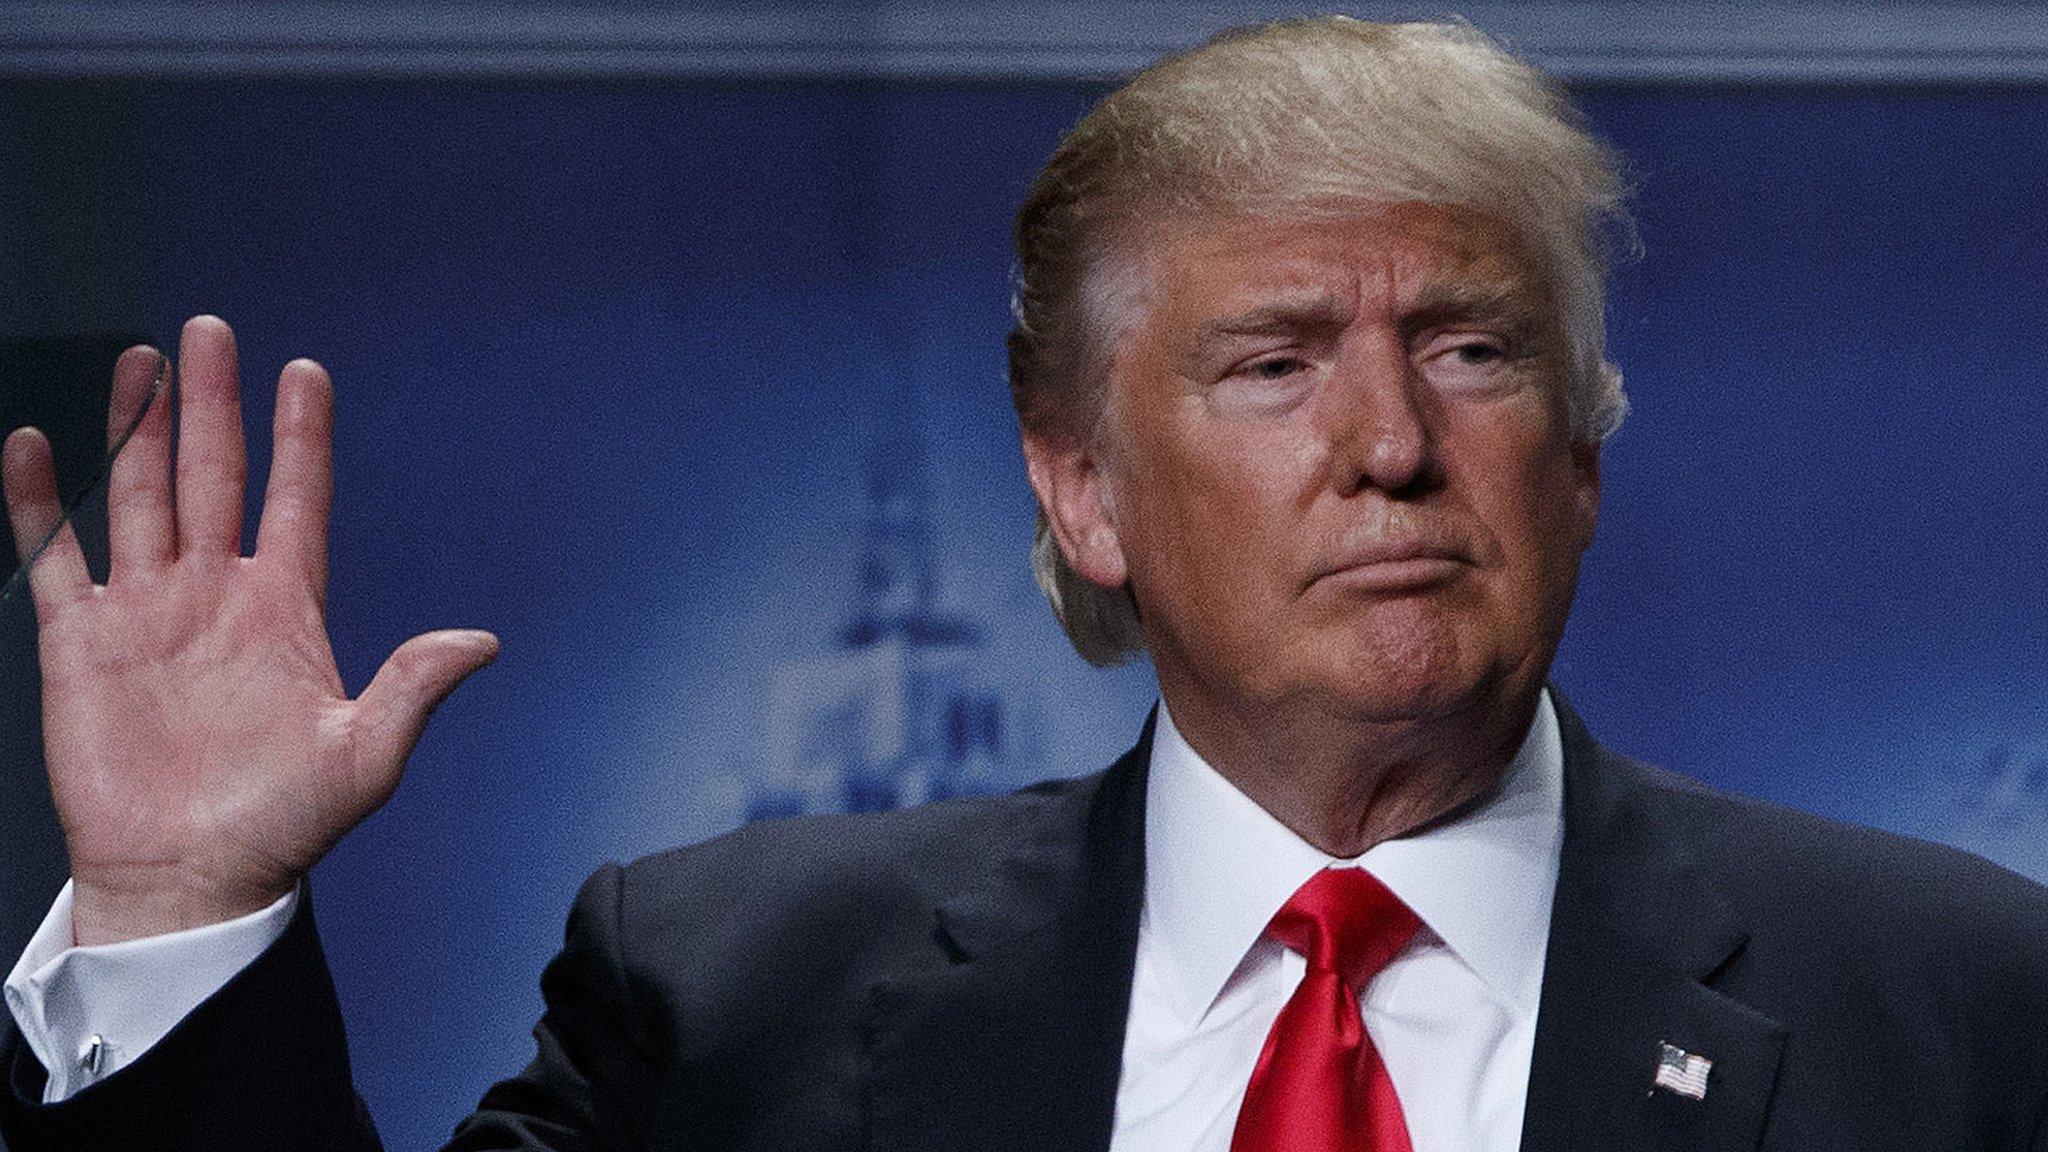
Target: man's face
x,y
1337,466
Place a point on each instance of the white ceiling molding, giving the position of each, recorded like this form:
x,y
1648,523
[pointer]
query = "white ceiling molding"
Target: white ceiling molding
x,y
1615,42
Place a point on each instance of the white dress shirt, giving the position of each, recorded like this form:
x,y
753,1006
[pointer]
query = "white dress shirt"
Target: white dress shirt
x,y
1453,1016
89,1012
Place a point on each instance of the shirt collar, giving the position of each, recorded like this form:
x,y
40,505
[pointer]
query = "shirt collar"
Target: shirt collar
x,y
1218,866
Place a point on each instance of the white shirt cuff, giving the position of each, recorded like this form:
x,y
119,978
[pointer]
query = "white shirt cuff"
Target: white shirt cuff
x,y
87,1013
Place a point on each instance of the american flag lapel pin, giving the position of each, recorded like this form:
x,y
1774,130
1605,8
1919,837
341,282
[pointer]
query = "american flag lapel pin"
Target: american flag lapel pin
x,y
1682,1072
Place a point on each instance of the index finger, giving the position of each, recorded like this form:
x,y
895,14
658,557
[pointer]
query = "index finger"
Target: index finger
x,y
141,524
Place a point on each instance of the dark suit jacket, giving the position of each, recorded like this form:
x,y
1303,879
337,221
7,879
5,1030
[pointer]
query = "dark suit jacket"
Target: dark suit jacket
x,y
957,976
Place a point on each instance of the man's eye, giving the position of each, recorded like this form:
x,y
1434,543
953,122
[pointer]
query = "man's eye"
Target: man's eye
x,y
1473,361
1275,368
1479,352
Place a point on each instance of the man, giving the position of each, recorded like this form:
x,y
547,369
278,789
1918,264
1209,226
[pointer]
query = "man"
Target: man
x,y
1310,371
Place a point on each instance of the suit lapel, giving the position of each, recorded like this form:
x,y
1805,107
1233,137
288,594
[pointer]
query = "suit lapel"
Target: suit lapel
x,y
1637,936
1008,1032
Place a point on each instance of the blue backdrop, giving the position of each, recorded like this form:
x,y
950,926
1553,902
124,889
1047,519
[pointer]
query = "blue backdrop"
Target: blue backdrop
x,y
624,375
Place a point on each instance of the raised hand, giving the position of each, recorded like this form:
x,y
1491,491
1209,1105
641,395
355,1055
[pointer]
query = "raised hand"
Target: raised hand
x,y
202,750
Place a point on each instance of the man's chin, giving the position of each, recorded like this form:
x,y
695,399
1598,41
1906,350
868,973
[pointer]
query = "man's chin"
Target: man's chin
x,y
1403,704
1418,679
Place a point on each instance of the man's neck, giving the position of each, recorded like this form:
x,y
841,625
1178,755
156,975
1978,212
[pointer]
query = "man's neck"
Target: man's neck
x,y
1345,784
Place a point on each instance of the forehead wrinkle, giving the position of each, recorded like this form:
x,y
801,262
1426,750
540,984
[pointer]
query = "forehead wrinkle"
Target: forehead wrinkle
x,y
1458,277
1489,274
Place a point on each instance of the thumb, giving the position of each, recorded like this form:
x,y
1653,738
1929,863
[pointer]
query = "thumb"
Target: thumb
x,y
392,712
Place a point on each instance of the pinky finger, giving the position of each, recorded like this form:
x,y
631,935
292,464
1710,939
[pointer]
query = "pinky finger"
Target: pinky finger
x,y
29,477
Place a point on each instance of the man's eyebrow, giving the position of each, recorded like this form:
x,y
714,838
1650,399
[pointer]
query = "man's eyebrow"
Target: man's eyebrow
x,y
1465,299
1309,314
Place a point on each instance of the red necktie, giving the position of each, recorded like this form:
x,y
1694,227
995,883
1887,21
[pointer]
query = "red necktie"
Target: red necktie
x,y
1320,1085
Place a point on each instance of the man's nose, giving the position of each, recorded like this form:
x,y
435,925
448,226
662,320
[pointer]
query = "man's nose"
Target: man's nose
x,y
1378,426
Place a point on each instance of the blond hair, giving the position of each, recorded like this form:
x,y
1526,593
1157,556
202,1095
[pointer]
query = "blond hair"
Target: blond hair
x,y
1301,118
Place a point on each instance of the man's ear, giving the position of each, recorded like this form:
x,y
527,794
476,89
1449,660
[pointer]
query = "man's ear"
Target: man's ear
x,y
1585,492
1067,473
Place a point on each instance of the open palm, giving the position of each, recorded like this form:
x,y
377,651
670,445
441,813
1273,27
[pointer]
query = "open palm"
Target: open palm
x,y
202,750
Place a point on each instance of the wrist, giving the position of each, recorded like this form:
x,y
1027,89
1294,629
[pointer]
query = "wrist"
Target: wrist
x,y
114,910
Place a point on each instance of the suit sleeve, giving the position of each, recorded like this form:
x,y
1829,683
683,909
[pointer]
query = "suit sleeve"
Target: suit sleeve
x,y
596,1057
262,1065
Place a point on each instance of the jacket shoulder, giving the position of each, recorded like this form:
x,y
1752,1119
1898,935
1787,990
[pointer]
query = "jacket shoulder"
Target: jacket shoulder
x,y
1865,897
848,887
917,852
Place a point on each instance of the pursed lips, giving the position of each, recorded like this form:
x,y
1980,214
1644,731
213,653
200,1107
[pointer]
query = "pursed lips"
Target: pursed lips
x,y
1394,564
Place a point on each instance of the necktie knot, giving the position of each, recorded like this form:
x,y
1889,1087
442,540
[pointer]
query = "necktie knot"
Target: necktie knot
x,y
1345,920
1320,1085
